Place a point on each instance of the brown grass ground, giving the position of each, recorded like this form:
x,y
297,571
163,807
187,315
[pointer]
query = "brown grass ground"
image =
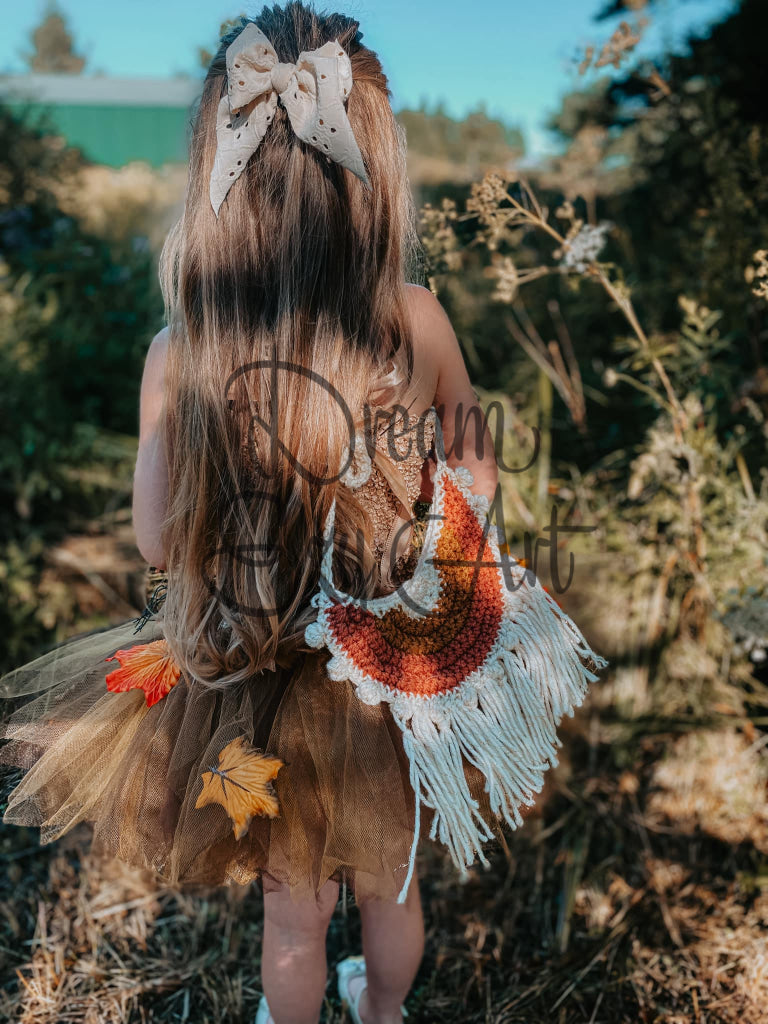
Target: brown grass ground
x,y
637,892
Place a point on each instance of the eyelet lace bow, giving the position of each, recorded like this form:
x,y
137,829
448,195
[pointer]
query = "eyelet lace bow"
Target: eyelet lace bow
x,y
313,92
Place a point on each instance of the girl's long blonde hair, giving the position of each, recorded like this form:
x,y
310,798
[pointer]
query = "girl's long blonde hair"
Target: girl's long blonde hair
x,y
296,290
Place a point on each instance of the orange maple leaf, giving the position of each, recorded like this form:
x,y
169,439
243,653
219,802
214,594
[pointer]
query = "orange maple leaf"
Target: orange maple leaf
x,y
148,667
241,784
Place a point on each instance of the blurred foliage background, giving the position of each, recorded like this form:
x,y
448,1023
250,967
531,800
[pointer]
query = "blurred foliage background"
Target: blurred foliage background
x,y
613,298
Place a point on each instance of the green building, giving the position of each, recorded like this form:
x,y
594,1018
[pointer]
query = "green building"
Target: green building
x,y
112,120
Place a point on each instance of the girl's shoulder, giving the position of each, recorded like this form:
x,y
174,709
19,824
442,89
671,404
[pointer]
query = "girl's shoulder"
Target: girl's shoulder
x,y
422,316
421,307
430,324
154,362
158,347
438,360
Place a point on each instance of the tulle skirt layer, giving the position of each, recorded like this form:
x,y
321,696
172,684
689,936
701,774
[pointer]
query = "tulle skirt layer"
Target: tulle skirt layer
x,y
346,806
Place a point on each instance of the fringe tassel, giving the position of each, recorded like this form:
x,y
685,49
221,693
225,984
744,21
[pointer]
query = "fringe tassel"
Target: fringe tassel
x,y
503,721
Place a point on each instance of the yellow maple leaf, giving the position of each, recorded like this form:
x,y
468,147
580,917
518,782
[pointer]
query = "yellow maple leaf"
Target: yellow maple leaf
x,y
241,783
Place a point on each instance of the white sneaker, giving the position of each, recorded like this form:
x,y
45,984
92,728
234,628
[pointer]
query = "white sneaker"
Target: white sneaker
x,y
262,1016
353,967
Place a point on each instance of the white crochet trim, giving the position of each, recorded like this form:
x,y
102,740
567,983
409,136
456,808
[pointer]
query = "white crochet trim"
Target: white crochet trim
x,y
359,469
502,718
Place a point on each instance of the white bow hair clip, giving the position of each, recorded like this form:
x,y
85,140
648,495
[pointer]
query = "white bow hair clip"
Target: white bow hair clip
x,y
312,90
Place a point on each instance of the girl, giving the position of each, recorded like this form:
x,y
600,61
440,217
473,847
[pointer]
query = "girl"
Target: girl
x,y
301,400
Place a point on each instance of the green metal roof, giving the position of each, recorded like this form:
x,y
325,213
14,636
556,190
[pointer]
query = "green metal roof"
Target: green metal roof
x,y
113,121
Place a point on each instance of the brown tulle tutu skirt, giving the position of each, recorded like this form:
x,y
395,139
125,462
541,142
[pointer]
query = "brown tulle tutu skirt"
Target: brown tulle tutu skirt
x,y
346,806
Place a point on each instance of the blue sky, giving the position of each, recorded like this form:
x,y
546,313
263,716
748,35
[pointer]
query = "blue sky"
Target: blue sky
x,y
519,56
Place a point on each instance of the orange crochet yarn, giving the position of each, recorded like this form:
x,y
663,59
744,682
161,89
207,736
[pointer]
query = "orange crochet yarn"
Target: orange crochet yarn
x,y
433,654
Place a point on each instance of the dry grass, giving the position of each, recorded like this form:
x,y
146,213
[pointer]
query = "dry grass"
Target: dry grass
x,y
640,893
122,202
715,781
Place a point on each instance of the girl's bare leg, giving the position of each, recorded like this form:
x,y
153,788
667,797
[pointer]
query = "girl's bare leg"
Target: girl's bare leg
x,y
393,945
294,971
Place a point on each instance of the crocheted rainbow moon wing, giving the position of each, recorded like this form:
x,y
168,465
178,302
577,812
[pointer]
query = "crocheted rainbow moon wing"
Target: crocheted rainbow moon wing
x,y
475,659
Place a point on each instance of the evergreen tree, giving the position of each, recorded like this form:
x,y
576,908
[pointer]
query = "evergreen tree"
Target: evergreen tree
x,y
54,46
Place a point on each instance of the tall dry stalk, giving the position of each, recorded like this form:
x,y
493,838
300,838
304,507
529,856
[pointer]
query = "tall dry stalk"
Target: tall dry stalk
x,y
508,207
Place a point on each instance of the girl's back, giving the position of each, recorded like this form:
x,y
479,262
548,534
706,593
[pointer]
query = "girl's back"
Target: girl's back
x,y
328,676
